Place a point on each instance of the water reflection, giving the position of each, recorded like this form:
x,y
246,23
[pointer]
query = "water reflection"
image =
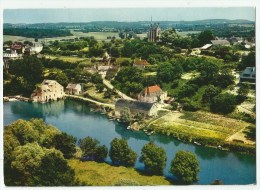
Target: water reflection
x,y
77,119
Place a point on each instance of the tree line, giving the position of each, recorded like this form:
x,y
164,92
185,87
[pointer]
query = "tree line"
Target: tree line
x,y
36,32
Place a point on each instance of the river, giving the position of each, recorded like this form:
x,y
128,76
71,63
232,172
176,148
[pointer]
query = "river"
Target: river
x,y
77,119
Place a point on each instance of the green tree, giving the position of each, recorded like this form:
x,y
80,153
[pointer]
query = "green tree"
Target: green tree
x,y
210,92
54,170
121,154
167,72
247,61
154,158
27,72
100,87
26,161
223,103
65,143
243,89
92,150
125,115
185,166
205,37
208,71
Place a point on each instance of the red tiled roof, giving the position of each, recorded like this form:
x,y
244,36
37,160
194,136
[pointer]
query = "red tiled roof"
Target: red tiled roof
x,y
16,46
141,62
152,89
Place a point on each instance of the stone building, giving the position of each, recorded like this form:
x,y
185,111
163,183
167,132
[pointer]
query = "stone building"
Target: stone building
x,y
152,94
141,64
74,89
48,90
154,33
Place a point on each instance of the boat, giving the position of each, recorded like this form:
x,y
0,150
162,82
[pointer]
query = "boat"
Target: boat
x,y
195,142
12,100
128,127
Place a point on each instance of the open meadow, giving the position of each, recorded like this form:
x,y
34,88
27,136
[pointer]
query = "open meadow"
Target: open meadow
x,y
103,174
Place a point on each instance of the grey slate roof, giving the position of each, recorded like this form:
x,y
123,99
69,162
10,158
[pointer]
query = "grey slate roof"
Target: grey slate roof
x,y
249,72
145,106
220,42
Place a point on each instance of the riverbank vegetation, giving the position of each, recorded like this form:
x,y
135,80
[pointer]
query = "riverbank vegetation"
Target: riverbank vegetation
x,y
102,174
37,154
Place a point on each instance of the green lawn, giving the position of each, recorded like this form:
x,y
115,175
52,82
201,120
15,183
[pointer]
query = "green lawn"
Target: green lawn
x,y
96,35
103,174
69,58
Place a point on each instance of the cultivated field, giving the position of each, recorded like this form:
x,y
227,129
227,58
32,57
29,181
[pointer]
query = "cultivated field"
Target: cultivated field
x,y
198,125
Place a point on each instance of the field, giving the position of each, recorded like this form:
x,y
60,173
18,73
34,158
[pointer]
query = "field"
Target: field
x,y
16,38
200,126
97,35
69,58
103,174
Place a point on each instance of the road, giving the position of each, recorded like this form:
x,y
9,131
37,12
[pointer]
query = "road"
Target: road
x,y
112,106
121,94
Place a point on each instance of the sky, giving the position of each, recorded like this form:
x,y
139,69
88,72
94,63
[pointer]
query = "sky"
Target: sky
x,y
126,14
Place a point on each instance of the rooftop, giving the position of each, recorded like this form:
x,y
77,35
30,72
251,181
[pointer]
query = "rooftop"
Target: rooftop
x,y
145,106
73,86
152,89
141,62
220,42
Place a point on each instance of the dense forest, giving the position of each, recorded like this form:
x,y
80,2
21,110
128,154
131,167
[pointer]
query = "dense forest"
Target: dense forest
x,y
36,33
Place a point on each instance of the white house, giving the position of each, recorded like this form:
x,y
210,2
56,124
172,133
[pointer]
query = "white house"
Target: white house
x,y
74,89
47,91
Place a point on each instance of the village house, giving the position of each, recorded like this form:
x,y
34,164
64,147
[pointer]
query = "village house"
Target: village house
x,y
206,47
248,75
135,108
47,91
141,63
74,89
152,94
34,49
102,70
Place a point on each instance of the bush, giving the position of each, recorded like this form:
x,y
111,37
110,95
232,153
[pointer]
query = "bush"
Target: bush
x,y
190,106
174,105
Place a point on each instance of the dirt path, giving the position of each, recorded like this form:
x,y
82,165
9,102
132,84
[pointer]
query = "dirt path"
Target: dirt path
x,y
240,136
112,106
121,94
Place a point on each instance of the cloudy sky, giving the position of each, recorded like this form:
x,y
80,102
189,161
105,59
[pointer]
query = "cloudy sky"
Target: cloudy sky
x,y
126,14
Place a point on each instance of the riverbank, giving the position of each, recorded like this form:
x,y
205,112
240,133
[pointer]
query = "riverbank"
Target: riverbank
x,y
102,174
204,129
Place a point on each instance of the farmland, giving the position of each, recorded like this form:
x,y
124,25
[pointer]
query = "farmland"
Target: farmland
x,y
204,127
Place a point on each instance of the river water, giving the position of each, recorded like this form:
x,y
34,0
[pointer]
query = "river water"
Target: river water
x,y
77,119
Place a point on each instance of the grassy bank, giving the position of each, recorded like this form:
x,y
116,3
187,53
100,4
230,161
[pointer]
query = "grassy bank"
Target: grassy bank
x,y
103,174
205,128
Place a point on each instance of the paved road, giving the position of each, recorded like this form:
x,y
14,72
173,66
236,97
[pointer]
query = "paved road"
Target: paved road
x,y
112,106
121,94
